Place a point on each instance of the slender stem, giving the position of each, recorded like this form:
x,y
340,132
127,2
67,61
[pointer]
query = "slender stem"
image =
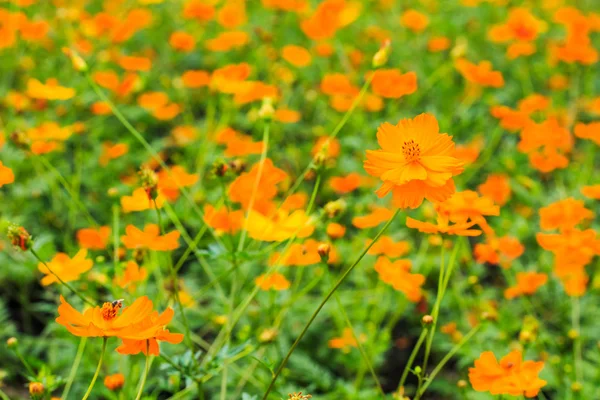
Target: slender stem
x,y
60,279
24,361
412,357
175,280
263,157
436,307
324,301
74,368
576,313
146,369
89,390
448,356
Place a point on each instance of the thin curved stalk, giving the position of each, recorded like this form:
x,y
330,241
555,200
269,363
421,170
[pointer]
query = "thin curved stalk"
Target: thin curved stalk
x,y
146,369
324,301
89,390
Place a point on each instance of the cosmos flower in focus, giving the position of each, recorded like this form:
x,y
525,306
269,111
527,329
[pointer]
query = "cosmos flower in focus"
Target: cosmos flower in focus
x,y
415,162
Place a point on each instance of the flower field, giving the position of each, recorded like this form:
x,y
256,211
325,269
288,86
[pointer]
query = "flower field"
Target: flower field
x,y
299,199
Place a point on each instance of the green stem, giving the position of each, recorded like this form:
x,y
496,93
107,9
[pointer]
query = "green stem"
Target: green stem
x,y
146,369
175,280
412,357
73,372
60,279
24,361
448,356
324,301
89,390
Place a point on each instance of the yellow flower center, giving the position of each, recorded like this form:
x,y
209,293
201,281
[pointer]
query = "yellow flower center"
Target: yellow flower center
x,y
411,150
109,310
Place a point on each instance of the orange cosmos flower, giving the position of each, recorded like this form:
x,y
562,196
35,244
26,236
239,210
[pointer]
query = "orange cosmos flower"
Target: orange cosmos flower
x,y
510,376
114,382
521,25
143,336
481,74
335,230
279,227
274,281
511,119
496,251
149,238
132,63
199,10
338,84
469,152
223,220
325,21
287,116
329,147
591,192
397,274
184,134
527,284
572,247
132,275
589,131
182,41
546,143
469,206
519,49
68,269
346,341
93,238
227,41
232,14
237,143
298,254
345,184
294,201
438,43
250,91
415,162
170,181
103,321
497,188
39,147
242,187
392,84
112,151
101,108
443,226
564,214
387,247
226,79
414,20
296,55
48,91
377,216
139,201
195,79
6,175
575,284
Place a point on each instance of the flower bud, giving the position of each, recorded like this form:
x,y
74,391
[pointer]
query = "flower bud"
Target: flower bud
x,y
461,383
427,319
78,63
21,140
19,237
383,54
12,342
335,208
238,165
114,382
149,181
323,249
36,389
576,387
266,110
220,168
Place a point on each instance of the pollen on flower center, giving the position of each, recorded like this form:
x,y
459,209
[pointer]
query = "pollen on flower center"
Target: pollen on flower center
x,y
109,310
411,150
